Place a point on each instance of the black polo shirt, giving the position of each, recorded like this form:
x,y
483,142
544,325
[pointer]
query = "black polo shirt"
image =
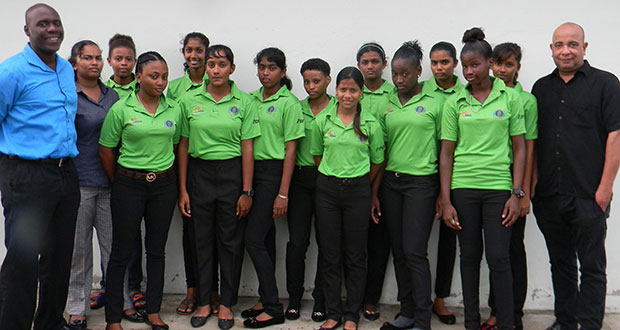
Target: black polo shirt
x,y
574,120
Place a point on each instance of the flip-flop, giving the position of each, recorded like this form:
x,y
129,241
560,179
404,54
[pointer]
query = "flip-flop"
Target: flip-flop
x,y
137,299
96,300
186,307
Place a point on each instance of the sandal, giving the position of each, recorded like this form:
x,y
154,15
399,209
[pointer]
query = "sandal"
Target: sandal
x,y
96,299
371,314
486,326
137,299
186,307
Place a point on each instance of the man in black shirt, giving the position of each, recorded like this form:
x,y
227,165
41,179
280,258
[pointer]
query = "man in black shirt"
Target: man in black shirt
x,y
578,152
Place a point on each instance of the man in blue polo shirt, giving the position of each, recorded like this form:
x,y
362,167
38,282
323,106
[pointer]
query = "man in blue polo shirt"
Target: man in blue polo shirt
x,y
38,181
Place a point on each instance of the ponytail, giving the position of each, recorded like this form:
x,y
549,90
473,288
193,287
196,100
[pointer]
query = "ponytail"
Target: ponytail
x,y
286,81
357,124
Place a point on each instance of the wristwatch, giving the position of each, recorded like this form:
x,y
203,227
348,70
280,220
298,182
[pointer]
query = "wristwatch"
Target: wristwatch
x,y
518,192
249,193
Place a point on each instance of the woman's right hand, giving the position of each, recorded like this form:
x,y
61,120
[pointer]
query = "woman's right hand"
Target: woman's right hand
x,y
184,204
450,218
375,209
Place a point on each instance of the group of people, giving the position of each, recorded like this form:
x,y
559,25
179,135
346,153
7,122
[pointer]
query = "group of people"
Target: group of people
x,y
373,165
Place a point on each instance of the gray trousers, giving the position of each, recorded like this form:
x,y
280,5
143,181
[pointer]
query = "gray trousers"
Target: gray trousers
x,y
94,211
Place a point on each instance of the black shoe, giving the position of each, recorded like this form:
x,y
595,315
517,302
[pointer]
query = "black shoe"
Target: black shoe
x,y
389,326
137,317
75,325
372,315
332,328
198,321
156,326
247,313
225,324
445,319
318,316
292,314
555,326
253,323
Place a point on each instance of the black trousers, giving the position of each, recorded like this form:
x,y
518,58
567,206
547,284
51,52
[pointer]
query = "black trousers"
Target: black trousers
x,y
575,229
342,207
260,235
300,212
408,208
214,187
446,254
518,266
133,199
378,247
480,215
40,202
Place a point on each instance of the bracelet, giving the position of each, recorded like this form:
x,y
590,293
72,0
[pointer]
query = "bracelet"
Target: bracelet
x,y
282,196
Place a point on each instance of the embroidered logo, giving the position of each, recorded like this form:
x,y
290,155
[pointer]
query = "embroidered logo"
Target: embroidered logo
x,y
271,110
169,124
198,110
135,121
389,111
420,109
499,114
361,139
330,135
234,110
465,114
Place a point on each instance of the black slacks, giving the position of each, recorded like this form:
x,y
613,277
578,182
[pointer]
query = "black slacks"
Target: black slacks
x,y
480,215
518,266
575,229
214,187
260,234
133,199
408,209
378,247
300,212
446,254
40,202
342,207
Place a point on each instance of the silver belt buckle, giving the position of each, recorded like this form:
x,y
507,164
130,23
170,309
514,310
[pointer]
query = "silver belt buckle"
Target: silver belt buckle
x,y
150,177
396,174
60,162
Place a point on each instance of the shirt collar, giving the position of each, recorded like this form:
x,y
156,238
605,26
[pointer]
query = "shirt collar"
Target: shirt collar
x,y
259,94
193,84
585,69
332,115
164,104
235,92
497,88
393,97
131,85
384,89
308,112
35,60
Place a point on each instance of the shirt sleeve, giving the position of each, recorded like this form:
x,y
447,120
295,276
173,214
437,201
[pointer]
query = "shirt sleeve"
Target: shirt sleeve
x,y
530,109
112,127
517,122
250,125
376,143
8,93
179,124
449,120
183,120
293,122
316,138
611,104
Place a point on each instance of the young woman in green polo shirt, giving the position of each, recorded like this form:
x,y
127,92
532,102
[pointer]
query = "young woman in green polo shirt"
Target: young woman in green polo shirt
x,y
143,180
444,83
409,185
482,127
215,180
371,61
316,77
122,59
282,124
347,145
506,65
195,45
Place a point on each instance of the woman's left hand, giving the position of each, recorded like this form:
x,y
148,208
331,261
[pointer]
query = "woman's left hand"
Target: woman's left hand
x,y
280,206
244,204
511,211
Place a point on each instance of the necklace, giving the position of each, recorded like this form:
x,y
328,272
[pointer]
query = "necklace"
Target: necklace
x,y
144,105
471,106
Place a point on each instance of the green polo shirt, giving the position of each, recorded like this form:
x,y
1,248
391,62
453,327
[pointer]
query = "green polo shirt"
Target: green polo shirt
x,y
377,102
182,85
430,87
122,91
146,140
412,133
345,154
304,157
281,120
530,111
215,129
482,132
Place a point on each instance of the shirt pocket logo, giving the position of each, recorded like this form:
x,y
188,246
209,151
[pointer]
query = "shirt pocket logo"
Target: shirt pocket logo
x,y
271,110
499,114
169,124
198,111
233,110
330,135
135,121
420,109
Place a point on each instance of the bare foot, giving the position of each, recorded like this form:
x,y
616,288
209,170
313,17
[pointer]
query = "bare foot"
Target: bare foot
x,y
329,324
263,317
491,320
259,305
350,325
78,317
155,319
225,313
440,308
203,311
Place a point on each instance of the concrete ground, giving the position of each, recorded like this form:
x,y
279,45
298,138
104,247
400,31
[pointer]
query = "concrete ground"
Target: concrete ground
x,y
534,320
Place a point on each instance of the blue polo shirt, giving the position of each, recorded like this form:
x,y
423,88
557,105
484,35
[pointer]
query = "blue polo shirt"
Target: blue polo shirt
x,y
37,107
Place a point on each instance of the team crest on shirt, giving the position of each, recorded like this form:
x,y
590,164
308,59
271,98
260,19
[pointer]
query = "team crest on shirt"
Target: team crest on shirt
x,y
234,110
169,124
499,114
420,109
198,110
389,111
465,114
135,121
271,110
330,135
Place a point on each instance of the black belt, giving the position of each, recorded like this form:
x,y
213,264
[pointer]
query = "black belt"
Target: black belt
x,y
144,175
53,161
347,181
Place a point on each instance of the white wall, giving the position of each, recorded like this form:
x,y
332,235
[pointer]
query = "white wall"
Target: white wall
x,y
333,30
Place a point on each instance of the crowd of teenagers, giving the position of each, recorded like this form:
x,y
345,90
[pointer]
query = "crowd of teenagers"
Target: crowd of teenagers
x,y
373,167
